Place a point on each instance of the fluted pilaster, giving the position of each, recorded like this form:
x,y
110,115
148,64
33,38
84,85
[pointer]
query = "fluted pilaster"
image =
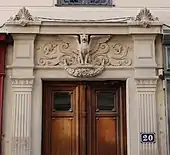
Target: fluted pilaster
x,y
147,113
21,116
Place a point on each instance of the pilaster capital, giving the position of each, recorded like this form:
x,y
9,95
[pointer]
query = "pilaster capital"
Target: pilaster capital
x,y
149,82
22,82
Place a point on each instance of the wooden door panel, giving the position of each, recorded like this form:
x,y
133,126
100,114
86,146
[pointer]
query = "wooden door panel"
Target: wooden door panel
x,y
62,136
84,118
59,119
105,120
106,136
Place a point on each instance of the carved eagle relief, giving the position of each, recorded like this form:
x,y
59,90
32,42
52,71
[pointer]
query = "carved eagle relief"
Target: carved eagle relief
x,y
83,52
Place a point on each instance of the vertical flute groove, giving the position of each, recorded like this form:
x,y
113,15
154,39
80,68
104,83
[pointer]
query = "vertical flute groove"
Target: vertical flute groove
x,y
146,99
21,115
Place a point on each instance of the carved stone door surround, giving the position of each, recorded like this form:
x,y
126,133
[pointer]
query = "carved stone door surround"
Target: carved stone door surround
x,y
76,50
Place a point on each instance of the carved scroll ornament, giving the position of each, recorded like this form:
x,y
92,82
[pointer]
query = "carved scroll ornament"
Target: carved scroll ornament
x,y
84,55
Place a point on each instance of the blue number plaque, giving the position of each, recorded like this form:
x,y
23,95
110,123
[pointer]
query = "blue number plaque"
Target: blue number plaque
x,y
147,137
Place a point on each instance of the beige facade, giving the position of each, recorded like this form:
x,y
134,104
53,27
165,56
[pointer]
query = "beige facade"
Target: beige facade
x,y
41,50
43,38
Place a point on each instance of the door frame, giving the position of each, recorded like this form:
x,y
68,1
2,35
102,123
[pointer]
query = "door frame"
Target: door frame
x,y
49,85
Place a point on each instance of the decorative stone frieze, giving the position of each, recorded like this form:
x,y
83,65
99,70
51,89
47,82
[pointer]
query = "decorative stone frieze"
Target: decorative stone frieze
x,y
141,83
21,116
147,113
22,83
23,18
84,57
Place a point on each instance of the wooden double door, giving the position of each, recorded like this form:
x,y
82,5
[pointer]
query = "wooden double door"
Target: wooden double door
x,y
84,118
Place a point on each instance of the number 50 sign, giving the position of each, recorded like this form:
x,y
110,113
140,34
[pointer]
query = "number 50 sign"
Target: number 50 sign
x,y
147,137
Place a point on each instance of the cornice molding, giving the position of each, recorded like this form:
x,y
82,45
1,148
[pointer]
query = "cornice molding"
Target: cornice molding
x,y
24,18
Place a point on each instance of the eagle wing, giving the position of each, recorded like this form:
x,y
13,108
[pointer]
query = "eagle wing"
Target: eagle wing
x,y
96,42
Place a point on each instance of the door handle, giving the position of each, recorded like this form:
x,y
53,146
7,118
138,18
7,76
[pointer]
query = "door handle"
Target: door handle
x,y
97,110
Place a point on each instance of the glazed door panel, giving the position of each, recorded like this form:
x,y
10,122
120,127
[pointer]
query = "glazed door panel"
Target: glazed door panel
x,y
84,118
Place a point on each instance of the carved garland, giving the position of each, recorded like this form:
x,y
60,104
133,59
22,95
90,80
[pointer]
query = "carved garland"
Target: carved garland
x,y
84,71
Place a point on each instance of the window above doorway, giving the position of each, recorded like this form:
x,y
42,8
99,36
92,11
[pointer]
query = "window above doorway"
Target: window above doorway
x,y
84,3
